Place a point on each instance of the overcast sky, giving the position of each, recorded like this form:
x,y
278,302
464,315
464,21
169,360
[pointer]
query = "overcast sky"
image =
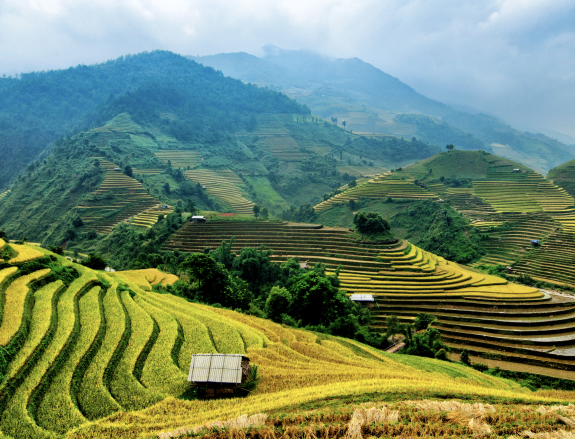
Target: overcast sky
x,y
511,58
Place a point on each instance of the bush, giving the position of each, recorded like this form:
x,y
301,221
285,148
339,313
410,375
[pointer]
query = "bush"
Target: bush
x,y
465,357
277,302
423,320
95,261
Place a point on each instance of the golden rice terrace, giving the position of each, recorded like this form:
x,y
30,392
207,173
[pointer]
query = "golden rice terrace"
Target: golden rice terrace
x,y
487,315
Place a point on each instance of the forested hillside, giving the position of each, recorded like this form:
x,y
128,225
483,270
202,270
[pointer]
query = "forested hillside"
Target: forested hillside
x,y
36,108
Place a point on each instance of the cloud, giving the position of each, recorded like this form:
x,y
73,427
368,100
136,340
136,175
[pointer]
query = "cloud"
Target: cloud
x,y
513,58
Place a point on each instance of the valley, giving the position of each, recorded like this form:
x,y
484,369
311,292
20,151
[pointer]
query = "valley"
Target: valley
x,y
173,211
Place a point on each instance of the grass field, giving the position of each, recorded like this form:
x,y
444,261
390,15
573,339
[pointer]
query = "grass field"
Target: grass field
x,y
105,344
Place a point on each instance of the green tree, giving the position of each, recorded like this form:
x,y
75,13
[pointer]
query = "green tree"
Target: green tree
x,y
167,188
95,261
352,183
316,299
449,147
190,206
278,301
265,213
465,357
256,210
255,267
423,320
370,223
129,171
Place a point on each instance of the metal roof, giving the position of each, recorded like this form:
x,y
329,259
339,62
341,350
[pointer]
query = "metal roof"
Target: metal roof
x,y
216,368
362,298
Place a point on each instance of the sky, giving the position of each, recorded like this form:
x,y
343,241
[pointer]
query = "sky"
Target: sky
x,y
514,59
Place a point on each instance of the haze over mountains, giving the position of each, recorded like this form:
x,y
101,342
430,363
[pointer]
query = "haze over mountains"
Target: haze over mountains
x,y
370,100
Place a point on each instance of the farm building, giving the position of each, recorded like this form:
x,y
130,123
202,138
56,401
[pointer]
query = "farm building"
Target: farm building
x,y
198,219
535,242
219,374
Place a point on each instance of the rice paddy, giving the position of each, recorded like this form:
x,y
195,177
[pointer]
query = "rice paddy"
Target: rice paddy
x,y
517,322
118,198
150,217
180,159
3,194
382,186
104,345
224,185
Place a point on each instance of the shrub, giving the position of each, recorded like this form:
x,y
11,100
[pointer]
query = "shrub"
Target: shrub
x,y
277,302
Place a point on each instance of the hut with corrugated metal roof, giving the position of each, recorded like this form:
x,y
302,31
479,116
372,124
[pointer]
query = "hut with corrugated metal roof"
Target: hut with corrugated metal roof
x,y
219,374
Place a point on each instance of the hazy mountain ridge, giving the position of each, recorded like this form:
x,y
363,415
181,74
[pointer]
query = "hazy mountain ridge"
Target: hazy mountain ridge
x,y
361,94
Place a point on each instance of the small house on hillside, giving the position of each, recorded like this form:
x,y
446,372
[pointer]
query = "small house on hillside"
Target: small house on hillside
x,y
517,170
219,374
199,219
535,242
118,169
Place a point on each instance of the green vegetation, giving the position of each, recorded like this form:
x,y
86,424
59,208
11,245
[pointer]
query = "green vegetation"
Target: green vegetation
x,y
440,229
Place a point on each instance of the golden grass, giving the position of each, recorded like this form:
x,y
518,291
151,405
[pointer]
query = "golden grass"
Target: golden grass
x,y
25,254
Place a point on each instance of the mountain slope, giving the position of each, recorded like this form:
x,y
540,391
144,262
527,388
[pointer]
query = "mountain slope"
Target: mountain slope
x,y
190,133
36,108
372,101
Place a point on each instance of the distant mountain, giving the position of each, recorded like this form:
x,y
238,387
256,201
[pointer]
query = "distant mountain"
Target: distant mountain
x,y
371,101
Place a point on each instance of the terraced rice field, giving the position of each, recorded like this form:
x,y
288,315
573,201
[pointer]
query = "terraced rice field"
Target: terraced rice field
x,y
362,171
3,194
382,186
150,217
527,192
180,158
274,138
148,171
491,317
506,245
224,185
89,351
118,198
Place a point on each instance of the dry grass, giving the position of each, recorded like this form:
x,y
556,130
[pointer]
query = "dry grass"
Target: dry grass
x,y
367,416
242,421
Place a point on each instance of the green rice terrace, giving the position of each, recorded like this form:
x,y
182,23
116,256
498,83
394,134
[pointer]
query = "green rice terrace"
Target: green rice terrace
x,y
382,186
180,159
224,185
485,314
117,199
150,217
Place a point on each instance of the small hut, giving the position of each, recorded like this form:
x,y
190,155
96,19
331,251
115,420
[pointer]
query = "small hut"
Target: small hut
x,y
219,374
366,300
198,219
535,242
